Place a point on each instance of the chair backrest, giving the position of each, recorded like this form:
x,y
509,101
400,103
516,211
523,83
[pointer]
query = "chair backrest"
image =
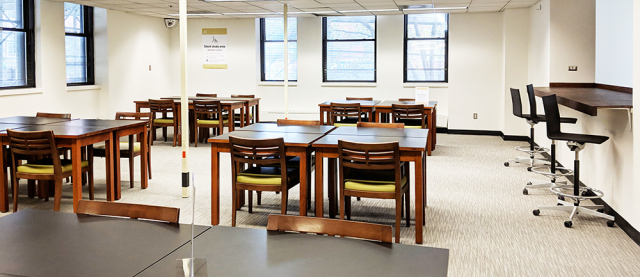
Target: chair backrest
x,y
553,115
360,98
410,111
533,109
161,106
516,101
407,99
207,95
208,108
133,116
243,96
258,152
34,144
344,110
381,125
331,227
133,211
54,115
285,122
372,156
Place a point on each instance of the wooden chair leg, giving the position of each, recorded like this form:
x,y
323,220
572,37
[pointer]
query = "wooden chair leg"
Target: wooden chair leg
x,y
16,191
250,204
153,134
91,183
358,198
66,157
347,206
234,200
40,185
164,133
58,195
50,188
342,205
407,203
149,161
398,211
197,138
259,196
285,201
131,170
31,188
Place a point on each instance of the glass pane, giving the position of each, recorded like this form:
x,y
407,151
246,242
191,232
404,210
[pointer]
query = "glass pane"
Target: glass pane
x,y
274,61
274,28
351,27
11,14
431,25
351,61
73,18
425,60
75,49
12,59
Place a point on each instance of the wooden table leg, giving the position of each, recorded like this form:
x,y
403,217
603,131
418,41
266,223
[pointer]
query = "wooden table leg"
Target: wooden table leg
x,y
435,117
332,188
304,172
319,184
4,184
257,115
247,117
76,158
116,167
419,201
109,157
215,184
144,150
242,119
431,132
232,120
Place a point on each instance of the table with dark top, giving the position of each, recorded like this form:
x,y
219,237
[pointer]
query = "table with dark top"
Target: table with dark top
x,y
32,120
384,132
248,252
383,109
412,149
296,144
271,127
588,99
366,106
47,243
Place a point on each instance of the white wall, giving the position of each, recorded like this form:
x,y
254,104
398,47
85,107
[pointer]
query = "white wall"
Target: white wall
x,y
540,43
516,70
634,188
573,35
614,42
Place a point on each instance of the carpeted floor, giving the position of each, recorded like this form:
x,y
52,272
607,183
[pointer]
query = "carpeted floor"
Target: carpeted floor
x,y
475,208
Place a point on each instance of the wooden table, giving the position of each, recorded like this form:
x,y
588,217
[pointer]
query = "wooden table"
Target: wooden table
x,y
250,104
412,149
248,252
296,144
366,106
588,99
429,111
272,127
120,128
74,137
47,243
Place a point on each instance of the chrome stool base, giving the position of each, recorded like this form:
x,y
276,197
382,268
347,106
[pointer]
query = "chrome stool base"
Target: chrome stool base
x,y
576,207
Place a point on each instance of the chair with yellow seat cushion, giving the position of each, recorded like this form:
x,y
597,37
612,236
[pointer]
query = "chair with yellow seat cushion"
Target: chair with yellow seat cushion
x,y
266,160
164,107
344,114
33,145
373,170
130,151
208,114
412,115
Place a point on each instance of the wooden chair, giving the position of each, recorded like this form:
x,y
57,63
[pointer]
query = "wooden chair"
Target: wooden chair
x,y
37,145
208,114
360,98
133,211
349,114
287,122
236,118
373,170
243,96
407,99
212,95
164,107
411,115
130,149
54,115
381,125
268,170
331,227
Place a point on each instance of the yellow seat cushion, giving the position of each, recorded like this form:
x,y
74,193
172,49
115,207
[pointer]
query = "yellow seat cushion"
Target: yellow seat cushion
x,y
163,120
373,185
269,176
345,124
45,166
124,146
212,121
412,127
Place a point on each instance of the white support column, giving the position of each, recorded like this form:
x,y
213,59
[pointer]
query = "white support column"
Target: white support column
x,y
286,61
184,105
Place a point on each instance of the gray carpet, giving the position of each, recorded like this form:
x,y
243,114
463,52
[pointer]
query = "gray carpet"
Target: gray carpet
x,y
476,209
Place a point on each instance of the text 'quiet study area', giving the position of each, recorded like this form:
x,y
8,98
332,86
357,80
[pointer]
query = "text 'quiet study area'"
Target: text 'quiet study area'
x,y
319,138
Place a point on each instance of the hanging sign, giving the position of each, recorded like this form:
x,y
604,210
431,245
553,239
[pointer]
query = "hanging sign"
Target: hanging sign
x,y
422,95
214,43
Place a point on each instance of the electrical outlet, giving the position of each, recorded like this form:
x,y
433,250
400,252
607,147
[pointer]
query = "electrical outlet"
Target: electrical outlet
x,y
573,68
475,115
149,67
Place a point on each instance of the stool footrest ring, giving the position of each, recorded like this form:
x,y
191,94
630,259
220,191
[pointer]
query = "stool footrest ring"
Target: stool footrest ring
x,y
558,191
546,171
536,149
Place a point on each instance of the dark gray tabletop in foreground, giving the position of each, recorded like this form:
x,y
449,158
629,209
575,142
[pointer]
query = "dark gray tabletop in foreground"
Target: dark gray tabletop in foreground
x,y
272,127
250,252
47,243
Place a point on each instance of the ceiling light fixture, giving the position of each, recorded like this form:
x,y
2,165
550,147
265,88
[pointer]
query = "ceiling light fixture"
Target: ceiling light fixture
x,y
195,14
364,11
438,8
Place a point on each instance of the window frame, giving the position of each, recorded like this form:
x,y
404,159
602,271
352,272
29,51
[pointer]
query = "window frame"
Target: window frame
x,y
28,28
324,53
263,39
446,52
87,33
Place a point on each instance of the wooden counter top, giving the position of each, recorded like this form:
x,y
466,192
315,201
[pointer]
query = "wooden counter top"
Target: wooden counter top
x,y
588,99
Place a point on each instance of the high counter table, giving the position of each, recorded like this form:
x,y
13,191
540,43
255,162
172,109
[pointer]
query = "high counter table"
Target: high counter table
x,y
588,99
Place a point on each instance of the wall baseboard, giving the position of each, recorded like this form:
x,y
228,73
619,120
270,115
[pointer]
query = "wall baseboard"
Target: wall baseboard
x,y
514,138
483,133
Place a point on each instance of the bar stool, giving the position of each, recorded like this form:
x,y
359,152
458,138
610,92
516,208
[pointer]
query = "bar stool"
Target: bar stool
x,y
575,142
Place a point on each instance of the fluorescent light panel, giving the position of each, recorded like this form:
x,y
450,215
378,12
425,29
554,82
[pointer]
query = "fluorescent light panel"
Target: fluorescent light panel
x,y
323,12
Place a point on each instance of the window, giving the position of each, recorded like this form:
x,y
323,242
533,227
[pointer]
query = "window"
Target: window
x,y
426,40
349,48
17,44
272,48
78,27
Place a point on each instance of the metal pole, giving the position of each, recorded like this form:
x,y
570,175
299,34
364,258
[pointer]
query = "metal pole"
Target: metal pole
x,y
184,101
286,62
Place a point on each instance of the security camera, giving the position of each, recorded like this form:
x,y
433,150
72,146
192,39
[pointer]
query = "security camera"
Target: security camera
x,y
170,22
